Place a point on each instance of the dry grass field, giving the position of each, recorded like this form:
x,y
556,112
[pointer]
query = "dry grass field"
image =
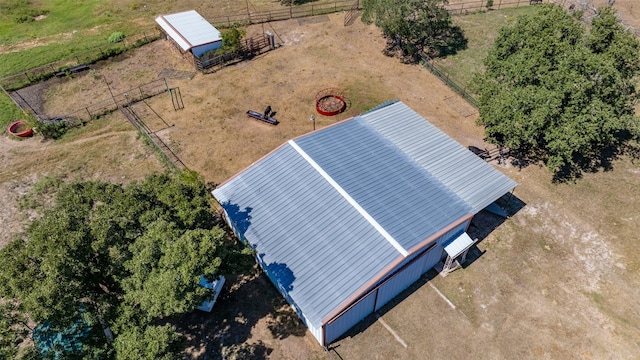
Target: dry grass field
x,y
558,280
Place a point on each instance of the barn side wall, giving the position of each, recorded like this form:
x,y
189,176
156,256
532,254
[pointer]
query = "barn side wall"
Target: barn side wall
x,y
200,50
405,274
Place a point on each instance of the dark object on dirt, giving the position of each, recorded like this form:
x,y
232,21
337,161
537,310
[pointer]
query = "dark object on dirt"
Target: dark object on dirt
x,y
263,117
73,70
267,111
482,153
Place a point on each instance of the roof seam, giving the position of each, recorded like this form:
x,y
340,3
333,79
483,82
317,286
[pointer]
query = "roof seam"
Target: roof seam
x,y
349,199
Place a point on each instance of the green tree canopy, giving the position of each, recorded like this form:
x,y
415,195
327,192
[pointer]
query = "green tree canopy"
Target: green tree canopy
x,y
119,258
415,26
555,93
231,40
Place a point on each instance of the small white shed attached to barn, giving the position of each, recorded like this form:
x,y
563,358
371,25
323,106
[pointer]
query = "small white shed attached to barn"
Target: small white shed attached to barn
x,y
190,32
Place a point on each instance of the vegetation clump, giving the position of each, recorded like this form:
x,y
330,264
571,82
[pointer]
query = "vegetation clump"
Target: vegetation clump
x,y
231,40
122,260
415,27
115,37
555,93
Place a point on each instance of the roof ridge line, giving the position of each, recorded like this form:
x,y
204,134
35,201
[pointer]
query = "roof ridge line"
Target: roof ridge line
x,y
349,199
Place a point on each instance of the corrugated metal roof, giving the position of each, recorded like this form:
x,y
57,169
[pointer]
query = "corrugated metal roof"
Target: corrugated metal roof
x,y
316,244
406,200
471,178
189,29
305,232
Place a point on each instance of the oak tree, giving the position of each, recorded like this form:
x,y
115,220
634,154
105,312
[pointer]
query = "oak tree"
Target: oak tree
x,y
556,93
120,259
415,26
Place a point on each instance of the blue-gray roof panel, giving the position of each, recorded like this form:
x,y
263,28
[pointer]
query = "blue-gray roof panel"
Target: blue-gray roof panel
x,y
301,227
470,177
406,200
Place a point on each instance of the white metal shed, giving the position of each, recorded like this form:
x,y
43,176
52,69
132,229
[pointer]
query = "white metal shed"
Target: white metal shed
x,y
191,32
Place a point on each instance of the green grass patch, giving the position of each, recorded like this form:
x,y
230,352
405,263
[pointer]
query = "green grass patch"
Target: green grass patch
x,y
9,112
480,29
59,18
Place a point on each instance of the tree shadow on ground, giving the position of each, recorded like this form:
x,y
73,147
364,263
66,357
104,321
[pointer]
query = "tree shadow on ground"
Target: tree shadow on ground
x,y
225,332
285,322
592,162
453,42
245,302
598,160
485,222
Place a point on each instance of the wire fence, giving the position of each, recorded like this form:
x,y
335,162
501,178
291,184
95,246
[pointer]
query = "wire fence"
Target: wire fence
x,y
98,108
481,5
298,11
167,155
90,56
252,46
35,75
461,90
290,12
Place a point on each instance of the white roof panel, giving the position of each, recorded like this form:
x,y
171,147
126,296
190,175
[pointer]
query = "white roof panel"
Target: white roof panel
x,y
458,245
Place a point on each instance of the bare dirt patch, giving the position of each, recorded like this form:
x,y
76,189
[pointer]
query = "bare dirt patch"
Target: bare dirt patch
x,y
106,149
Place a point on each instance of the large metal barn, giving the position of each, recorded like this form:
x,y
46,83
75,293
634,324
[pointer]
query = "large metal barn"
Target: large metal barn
x,y
345,218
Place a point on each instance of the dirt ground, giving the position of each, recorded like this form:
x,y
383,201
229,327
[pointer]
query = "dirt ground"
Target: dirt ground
x,y
106,149
558,280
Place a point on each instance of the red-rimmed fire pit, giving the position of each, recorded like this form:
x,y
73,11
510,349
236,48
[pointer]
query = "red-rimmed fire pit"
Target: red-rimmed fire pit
x,y
20,129
330,101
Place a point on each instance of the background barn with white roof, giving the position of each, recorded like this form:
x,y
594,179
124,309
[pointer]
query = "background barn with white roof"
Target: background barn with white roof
x,y
190,32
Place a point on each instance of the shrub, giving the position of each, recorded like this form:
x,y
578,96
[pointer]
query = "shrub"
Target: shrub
x,y
231,40
53,129
115,37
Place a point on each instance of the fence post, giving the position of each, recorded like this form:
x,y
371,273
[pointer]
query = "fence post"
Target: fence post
x,y
89,112
500,3
291,10
518,4
461,7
